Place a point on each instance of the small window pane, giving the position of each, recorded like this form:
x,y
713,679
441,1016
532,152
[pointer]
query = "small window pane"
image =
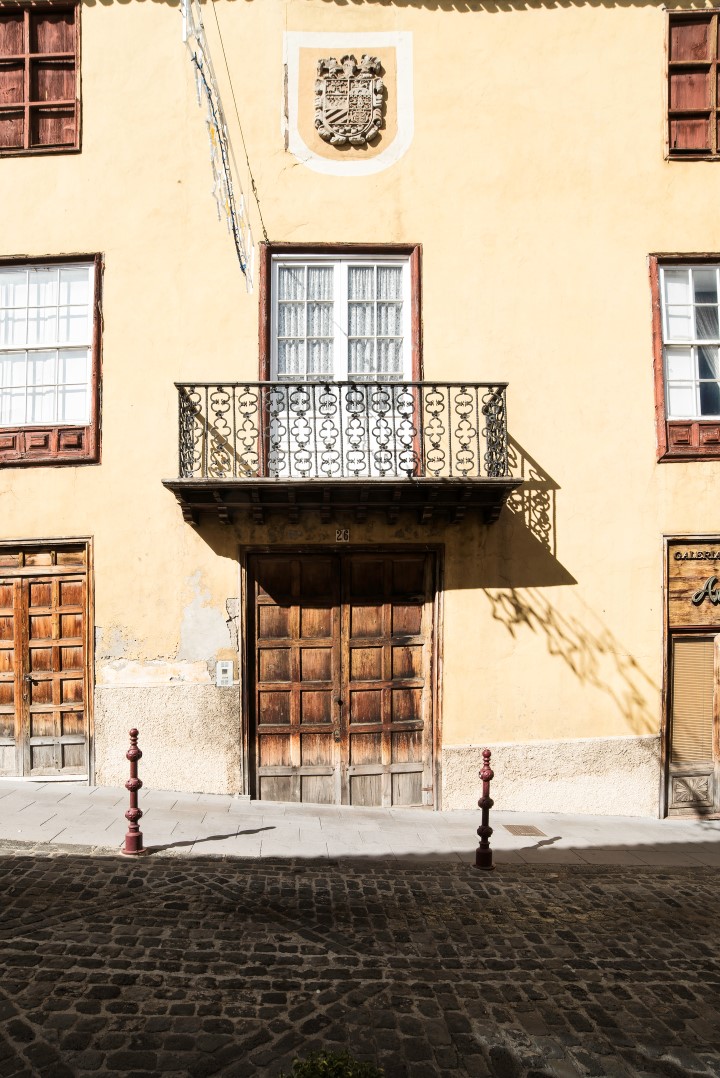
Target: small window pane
x,y
390,356
319,357
13,288
361,282
705,285
679,324
42,326
680,364
12,407
73,325
72,404
291,320
708,366
390,282
319,319
75,285
362,321
290,358
73,367
40,405
42,368
13,327
389,319
291,282
709,398
681,402
43,287
361,358
706,323
12,369
677,286
320,282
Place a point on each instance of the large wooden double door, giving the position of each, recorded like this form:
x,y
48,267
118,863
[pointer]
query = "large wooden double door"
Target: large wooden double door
x,y
43,670
341,670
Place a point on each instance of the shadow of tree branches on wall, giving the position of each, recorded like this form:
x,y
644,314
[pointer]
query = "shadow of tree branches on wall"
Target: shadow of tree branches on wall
x,y
590,650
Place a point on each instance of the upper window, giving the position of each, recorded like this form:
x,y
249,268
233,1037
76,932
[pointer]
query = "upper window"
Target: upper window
x,y
688,357
39,108
342,317
693,105
48,361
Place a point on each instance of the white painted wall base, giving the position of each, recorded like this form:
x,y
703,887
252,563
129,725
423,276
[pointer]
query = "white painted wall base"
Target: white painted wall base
x,y
189,735
613,776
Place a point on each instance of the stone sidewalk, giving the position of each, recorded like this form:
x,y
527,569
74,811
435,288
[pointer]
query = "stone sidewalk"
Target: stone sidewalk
x,y
64,814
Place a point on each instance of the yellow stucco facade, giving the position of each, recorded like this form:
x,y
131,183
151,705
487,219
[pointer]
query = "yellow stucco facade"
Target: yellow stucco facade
x,y
536,180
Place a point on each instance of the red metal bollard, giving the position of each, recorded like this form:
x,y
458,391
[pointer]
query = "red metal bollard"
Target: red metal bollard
x,y
483,854
133,838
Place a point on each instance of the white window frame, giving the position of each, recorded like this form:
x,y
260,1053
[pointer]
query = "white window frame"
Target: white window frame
x,y
57,346
693,343
341,264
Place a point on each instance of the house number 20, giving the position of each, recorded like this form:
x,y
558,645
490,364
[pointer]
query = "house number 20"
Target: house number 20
x,y
342,535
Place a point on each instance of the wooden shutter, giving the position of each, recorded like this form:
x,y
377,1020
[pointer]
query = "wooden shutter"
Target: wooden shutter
x,y
692,700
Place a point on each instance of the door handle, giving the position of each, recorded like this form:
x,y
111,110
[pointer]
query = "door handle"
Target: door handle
x,y
31,679
339,700
337,734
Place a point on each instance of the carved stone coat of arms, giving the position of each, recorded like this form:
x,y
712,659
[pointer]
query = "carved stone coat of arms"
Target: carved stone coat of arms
x,y
348,100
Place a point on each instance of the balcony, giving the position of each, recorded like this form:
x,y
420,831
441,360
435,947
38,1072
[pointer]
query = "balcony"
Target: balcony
x,y
430,448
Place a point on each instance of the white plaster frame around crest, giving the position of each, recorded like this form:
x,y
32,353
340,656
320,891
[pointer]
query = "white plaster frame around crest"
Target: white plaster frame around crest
x,y
401,41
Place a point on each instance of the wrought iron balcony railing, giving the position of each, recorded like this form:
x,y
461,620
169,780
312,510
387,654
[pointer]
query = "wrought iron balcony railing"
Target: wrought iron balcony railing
x,y
343,430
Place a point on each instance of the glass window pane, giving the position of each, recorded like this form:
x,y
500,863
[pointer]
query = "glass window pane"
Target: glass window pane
x,y
680,363
42,368
389,319
708,366
362,321
705,285
709,398
390,282
12,369
319,319
681,401
75,285
291,320
43,286
73,325
706,323
12,407
73,367
291,358
42,326
40,405
13,288
319,357
679,324
390,356
291,282
361,358
13,327
73,404
361,282
677,286
320,282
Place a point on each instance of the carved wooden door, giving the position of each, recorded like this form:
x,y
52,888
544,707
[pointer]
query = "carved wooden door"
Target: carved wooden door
x,y
341,669
43,683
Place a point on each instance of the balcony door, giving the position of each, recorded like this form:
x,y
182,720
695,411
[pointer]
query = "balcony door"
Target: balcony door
x,y
341,673
341,354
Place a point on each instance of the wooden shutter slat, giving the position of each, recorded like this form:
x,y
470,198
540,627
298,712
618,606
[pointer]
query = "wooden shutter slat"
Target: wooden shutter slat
x,y
693,700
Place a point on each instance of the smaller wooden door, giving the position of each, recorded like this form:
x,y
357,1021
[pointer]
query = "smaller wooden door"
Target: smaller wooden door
x,y
43,682
341,666
694,748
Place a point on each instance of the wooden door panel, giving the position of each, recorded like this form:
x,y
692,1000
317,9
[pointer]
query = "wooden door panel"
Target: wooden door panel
x,y
10,677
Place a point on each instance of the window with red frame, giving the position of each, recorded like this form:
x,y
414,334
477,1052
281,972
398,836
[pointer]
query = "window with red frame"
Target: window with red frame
x,y
39,83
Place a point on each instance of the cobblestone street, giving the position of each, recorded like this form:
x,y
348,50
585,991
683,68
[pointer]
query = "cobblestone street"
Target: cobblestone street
x,y
216,966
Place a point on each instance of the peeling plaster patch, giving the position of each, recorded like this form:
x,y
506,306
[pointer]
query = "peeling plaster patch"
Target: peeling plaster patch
x,y
124,672
115,644
233,620
204,630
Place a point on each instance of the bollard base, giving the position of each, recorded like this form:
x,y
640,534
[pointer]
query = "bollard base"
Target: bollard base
x,y
483,859
134,853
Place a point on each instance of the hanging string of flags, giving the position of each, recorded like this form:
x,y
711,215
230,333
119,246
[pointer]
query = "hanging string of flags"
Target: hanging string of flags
x,y
233,209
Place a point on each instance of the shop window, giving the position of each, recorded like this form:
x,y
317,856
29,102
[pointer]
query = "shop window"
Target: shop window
x,y
39,79
687,357
49,361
